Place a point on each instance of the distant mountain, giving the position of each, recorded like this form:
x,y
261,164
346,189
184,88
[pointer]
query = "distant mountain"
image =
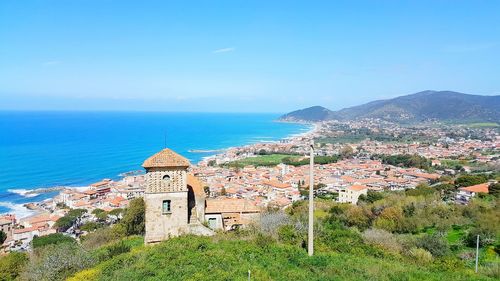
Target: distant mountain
x,y
315,113
426,105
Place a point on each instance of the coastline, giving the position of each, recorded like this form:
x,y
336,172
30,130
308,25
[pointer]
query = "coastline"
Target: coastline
x,y
46,194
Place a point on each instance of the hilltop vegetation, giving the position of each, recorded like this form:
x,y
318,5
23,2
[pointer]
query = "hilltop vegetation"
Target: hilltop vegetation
x,y
426,105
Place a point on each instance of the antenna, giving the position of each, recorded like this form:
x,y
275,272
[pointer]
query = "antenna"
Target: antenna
x,y
165,140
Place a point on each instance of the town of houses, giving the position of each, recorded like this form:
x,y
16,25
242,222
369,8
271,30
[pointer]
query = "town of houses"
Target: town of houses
x,y
281,185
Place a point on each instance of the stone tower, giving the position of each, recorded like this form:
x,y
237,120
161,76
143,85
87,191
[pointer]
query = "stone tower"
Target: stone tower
x,y
166,196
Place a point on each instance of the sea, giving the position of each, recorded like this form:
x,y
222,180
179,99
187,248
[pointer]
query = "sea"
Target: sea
x,y
42,149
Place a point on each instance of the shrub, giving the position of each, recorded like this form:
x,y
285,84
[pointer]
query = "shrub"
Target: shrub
x,y
420,255
56,238
103,236
289,235
11,265
108,252
270,222
435,244
486,236
382,239
57,262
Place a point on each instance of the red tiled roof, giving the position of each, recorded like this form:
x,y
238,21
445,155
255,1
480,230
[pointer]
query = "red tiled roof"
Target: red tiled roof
x,y
165,158
357,187
478,188
230,205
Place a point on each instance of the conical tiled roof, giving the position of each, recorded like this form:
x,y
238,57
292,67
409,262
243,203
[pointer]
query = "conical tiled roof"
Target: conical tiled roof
x,y
164,159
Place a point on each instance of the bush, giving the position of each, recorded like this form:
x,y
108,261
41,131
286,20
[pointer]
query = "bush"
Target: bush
x,y
382,239
108,252
420,255
270,222
435,244
103,236
486,236
289,235
56,238
57,262
11,265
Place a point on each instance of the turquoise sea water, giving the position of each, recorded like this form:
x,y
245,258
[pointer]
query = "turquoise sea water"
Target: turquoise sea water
x,y
44,149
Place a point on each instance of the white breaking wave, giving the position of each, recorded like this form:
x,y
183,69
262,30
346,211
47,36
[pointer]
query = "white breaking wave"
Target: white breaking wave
x,y
18,209
23,192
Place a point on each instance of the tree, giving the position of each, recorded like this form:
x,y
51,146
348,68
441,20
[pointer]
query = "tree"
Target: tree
x,y
371,196
391,219
55,238
494,189
206,189
65,222
97,211
116,212
346,151
3,237
11,265
468,180
420,190
133,220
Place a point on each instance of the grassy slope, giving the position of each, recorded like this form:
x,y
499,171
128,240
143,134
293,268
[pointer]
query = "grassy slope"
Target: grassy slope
x,y
218,258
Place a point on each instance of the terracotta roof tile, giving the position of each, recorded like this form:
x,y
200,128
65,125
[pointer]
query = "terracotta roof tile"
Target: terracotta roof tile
x,y
165,158
481,188
230,205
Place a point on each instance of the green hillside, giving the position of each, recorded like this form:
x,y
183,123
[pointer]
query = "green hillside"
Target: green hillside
x,y
426,105
408,235
225,258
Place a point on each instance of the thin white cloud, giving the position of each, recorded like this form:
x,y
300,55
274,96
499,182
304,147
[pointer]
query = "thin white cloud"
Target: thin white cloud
x,y
51,62
224,50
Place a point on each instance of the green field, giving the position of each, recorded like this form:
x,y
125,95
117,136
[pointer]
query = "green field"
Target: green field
x,y
483,125
275,159
261,160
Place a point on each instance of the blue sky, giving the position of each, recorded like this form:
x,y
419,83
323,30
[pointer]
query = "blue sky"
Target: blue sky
x,y
241,56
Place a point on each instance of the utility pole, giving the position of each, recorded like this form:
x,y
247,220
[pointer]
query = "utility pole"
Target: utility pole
x,y
310,236
477,251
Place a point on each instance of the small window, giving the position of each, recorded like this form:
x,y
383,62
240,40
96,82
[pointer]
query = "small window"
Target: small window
x,y
212,223
166,178
166,207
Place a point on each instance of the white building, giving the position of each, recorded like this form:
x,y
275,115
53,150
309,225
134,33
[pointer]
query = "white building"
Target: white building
x,y
352,193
